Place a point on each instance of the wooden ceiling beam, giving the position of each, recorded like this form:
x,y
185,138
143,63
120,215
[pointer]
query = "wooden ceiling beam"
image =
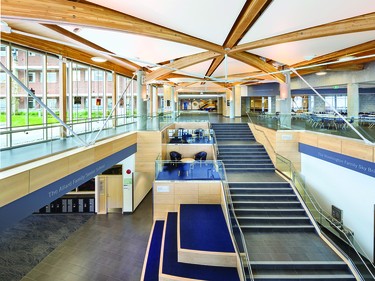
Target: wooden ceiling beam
x,y
73,36
351,51
258,63
350,25
180,64
251,11
214,65
63,50
87,14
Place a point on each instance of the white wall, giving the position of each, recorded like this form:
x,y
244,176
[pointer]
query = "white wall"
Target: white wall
x,y
348,190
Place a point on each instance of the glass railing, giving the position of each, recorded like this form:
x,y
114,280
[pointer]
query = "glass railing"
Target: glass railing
x,y
328,224
238,238
193,116
362,127
188,169
191,136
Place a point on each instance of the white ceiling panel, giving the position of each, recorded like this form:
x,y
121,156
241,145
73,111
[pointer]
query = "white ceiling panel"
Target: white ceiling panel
x,y
199,69
210,20
140,49
284,16
294,52
233,67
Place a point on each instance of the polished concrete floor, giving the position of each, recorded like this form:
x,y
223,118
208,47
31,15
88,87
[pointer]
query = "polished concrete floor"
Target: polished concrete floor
x,y
107,247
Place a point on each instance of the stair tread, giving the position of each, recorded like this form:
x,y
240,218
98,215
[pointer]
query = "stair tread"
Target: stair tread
x,y
297,262
304,276
278,226
264,195
275,218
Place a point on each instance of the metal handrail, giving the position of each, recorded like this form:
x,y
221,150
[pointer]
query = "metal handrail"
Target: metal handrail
x,y
230,203
325,215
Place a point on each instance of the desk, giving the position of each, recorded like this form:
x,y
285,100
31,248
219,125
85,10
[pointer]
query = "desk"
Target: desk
x,y
185,166
187,160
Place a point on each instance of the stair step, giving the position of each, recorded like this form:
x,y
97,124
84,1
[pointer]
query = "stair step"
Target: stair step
x,y
298,264
277,228
259,185
270,212
260,191
266,204
320,277
241,198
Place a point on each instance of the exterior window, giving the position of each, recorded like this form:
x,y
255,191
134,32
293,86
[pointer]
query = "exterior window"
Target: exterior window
x,y
51,77
31,77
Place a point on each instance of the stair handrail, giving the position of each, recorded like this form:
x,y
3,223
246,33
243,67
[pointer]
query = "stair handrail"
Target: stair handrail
x,y
230,203
216,150
339,226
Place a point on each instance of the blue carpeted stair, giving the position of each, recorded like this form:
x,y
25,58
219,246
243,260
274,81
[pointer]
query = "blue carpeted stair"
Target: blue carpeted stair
x,y
203,228
171,266
153,259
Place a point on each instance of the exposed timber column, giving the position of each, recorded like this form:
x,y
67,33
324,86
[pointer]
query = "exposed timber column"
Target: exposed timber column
x,y
285,103
219,105
63,89
141,102
353,99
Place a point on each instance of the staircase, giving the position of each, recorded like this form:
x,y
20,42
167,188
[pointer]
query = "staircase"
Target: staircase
x,y
281,239
268,206
193,244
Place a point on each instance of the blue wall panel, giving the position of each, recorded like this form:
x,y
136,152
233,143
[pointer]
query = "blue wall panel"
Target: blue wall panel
x,y
355,164
21,208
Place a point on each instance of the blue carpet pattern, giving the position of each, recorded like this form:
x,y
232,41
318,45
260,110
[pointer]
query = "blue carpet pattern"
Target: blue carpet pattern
x,y
153,259
29,241
172,267
189,171
203,227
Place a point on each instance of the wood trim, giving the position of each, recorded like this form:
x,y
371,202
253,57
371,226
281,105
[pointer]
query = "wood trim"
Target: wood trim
x,y
92,15
63,50
350,25
255,61
181,63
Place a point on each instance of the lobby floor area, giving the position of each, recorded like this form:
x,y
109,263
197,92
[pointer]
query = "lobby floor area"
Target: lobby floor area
x,y
107,247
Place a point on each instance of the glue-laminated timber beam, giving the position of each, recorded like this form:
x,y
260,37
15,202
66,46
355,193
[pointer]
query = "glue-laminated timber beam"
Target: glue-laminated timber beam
x,y
63,50
180,64
92,15
258,63
351,51
71,35
251,11
350,25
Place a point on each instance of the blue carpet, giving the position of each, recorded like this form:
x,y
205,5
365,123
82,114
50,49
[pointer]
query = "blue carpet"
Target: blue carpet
x,y
187,171
202,272
153,259
203,227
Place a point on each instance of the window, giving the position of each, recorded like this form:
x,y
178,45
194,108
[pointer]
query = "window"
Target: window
x,y
97,75
31,77
51,77
76,75
3,77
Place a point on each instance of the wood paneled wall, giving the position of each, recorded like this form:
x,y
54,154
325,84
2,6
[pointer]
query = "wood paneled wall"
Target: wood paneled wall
x,y
169,195
20,181
285,143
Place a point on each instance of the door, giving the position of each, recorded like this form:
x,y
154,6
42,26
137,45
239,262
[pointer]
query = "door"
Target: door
x,y
114,193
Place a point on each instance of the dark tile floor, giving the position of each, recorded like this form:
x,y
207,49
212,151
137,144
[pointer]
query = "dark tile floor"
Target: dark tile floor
x,y
107,247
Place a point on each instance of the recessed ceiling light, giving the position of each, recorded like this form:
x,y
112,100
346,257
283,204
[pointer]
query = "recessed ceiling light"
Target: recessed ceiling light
x,y
321,73
347,58
98,59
